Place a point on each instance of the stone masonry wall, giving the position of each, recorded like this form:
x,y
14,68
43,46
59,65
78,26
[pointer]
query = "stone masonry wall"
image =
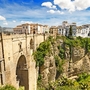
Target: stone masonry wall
x,y
14,47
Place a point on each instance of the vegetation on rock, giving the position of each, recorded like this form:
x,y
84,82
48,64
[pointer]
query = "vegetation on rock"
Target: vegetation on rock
x,y
61,52
9,87
42,51
59,63
70,32
83,81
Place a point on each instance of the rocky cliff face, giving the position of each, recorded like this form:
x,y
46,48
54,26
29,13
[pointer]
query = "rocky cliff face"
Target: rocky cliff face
x,y
73,65
77,53
80,62
48,70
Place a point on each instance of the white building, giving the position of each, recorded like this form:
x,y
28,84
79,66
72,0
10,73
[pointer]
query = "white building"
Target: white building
x,y
83,31
74,28
61,30
26,28
30,29
45,29
65,27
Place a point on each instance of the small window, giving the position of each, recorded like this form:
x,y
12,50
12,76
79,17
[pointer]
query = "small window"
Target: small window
x,y
31,44
26,27
20,46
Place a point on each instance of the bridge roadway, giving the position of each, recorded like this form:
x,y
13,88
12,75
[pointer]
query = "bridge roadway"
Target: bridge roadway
x,y
17,65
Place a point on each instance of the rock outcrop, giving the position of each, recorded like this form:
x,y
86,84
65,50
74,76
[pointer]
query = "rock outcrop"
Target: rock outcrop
x,y
77,53
79,62
76,61
48,70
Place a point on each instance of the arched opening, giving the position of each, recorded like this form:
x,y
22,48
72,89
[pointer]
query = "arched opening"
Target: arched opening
x,y
31,44
34,32
22,72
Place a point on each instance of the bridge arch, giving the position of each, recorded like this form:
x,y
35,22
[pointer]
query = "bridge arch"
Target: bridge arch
x,y
22,72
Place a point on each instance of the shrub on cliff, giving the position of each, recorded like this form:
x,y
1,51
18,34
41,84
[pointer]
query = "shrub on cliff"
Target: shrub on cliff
x,y
7,87
41,52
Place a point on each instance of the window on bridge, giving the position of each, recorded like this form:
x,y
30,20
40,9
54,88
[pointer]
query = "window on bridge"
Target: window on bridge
x,y
31,44
20,46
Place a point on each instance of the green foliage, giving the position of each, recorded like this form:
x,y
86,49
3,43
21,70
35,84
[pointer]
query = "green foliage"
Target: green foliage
x,y
82,76
78,42
41,52
68,88
59,63
61,84
83,82
61,52
58,37
74,42
70,32
88,47
84,43
68,84
81,41
7,87
39,77
40,85
10,87
51,39
83,86
65,82
21,88
87,44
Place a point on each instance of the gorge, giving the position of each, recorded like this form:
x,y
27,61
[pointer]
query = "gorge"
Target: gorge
x,y
62,57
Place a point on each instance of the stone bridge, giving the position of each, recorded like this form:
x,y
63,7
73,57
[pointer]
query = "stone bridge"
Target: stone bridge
x,y
17,65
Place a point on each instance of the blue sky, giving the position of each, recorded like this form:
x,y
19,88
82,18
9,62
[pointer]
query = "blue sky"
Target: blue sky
x,y
50,12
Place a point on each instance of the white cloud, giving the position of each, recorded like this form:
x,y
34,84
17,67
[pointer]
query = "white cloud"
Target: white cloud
x,y
82,4
40,14
2,18
26,22
5,23
72,5
51,11
65,4
55,11
59,12
54,7
49,5
14,21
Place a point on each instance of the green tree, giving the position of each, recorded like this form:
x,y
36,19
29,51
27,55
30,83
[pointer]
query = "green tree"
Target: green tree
x,y
70,32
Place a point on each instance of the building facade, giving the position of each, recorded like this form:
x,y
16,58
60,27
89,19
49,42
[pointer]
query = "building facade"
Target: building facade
x,y
45,29
18,29
65,27
53,30
31,29
83,31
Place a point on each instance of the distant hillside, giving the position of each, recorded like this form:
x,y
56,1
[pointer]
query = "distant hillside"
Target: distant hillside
x,y
6,29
